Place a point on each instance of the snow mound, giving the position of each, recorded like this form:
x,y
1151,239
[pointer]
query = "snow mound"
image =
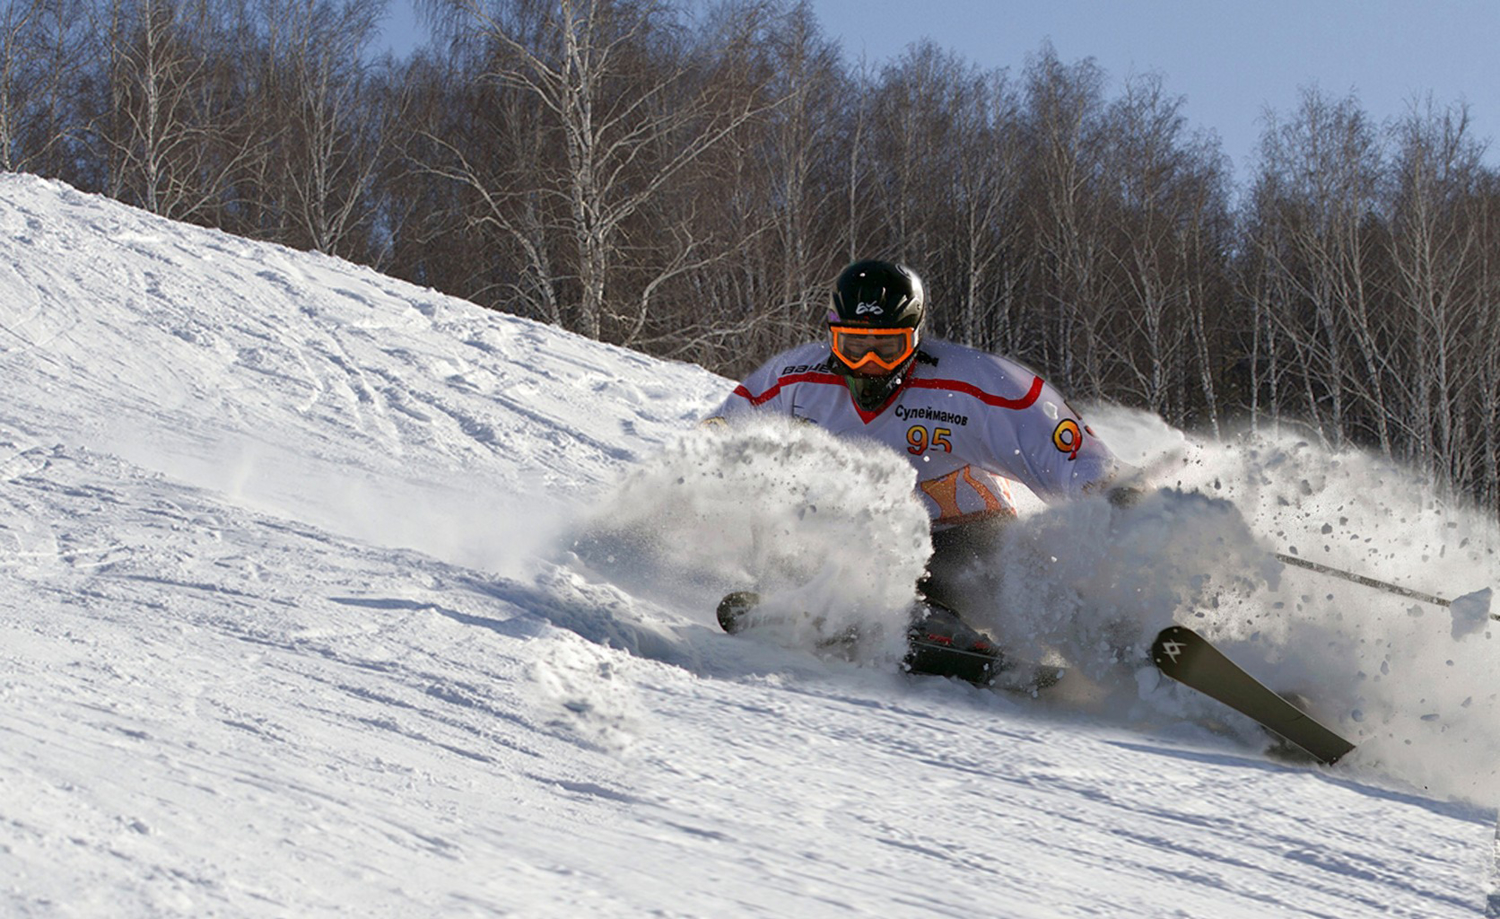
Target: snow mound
x,y
300,617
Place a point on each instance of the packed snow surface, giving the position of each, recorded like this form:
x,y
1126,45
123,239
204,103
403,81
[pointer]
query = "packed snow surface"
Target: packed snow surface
x,y
326,595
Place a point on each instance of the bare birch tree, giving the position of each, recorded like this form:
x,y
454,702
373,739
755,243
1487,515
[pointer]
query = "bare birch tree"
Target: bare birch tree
x,y
804,137
1168,215
615,106
1317,186
985,186
1065,145
1484,211
1434,242
330,139
43,48
169,111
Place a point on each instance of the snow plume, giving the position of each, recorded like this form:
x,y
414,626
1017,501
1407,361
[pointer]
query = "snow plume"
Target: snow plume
x,y
1094,583
1411,682
826,530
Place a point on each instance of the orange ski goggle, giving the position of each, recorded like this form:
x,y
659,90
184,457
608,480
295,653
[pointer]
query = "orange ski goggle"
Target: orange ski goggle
x,y
859,347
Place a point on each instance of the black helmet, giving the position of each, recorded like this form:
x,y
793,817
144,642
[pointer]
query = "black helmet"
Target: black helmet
x,y
878,294
874,324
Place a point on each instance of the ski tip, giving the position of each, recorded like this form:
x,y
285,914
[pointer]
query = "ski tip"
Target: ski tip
x,y
1170,642
1185,656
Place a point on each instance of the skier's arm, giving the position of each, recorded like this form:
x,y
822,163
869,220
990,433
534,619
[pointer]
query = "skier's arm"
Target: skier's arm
x,y
762,391
1050,449
740,403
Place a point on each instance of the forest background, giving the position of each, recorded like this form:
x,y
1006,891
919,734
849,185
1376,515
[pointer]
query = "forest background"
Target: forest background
x,y
685,179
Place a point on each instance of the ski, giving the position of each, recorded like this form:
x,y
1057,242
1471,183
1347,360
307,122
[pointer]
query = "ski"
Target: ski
x,y
1190,659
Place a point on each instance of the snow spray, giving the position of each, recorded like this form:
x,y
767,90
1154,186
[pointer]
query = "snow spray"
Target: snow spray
x,y
1413,683
827,530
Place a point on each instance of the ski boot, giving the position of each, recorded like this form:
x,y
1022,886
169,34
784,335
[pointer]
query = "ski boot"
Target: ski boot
x,y
939,643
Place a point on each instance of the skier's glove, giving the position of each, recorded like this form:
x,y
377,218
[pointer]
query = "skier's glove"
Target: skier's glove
x,y
1124,495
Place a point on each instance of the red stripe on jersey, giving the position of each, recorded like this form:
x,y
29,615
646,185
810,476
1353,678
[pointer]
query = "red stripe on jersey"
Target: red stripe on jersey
x,y
970,389
770,394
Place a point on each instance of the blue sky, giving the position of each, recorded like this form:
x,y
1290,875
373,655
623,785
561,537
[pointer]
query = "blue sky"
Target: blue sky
x,y
1231,60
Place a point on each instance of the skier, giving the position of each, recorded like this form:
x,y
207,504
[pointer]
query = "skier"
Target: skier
x,y
970,423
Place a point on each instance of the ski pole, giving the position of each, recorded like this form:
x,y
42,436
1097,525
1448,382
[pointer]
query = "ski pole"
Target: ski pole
x,y
1368,581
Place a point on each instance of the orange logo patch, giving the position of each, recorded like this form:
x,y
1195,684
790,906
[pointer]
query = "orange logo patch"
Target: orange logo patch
x,y
1067,438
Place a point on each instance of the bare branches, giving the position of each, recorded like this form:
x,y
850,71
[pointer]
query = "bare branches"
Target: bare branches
x,y
628,122
687,178
43,48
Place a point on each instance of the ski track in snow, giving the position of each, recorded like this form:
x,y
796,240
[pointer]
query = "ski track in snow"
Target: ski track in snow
x,y
287,631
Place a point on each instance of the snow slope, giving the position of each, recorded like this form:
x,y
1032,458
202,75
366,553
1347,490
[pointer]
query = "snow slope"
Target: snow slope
x,y
322,594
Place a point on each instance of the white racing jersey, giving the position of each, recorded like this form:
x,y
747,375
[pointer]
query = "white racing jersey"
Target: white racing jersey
x,y
968,421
